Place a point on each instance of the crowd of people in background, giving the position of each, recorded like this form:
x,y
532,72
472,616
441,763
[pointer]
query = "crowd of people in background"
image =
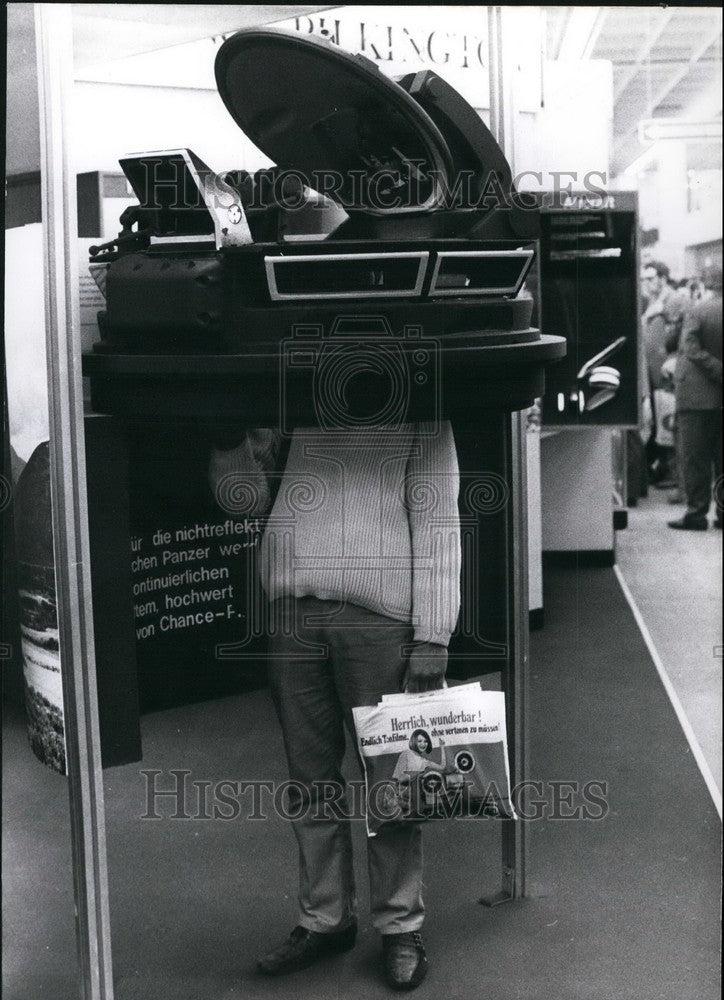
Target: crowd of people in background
x,y
681,337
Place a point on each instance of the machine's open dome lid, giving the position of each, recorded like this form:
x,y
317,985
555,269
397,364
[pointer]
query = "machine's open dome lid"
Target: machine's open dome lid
x,y
352,132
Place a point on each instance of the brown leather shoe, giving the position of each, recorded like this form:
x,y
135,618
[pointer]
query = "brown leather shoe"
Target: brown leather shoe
x,y
404,960
303,948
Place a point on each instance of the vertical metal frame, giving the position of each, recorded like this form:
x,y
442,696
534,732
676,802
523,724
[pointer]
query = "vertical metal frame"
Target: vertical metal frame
x,y
516,681
515,674
53,25
515,833
502,94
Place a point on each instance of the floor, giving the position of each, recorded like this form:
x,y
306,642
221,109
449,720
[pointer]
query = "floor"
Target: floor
x,y
675,578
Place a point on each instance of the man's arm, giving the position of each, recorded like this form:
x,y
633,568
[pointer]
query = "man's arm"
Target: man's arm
x,y
692,348
431,491
239,475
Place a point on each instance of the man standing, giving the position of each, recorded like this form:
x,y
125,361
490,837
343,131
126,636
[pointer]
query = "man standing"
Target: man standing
x,y
698,387
660,321
360,561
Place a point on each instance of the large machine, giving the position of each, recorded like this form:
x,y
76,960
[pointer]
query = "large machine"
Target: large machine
x,y
390,200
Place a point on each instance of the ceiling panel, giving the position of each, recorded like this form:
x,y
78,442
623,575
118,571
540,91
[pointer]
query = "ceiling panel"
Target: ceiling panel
x,y
666,63
115,30
666,60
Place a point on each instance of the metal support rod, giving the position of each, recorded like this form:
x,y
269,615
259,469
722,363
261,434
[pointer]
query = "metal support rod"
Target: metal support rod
x,y
495,71
514,846
515,677
519,631
502,90
53,25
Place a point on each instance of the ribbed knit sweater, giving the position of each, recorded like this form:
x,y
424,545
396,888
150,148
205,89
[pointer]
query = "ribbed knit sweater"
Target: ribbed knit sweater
x,y
365,516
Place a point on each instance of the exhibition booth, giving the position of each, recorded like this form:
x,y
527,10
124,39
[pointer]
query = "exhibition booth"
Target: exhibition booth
x,y
328,219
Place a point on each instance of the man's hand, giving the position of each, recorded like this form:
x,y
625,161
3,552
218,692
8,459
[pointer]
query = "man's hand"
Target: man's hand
x,y
669,368
426,667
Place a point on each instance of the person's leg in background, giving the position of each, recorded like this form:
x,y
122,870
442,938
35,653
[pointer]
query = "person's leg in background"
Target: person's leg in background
x,y
678,494
636,471
718,491
663,469
696,439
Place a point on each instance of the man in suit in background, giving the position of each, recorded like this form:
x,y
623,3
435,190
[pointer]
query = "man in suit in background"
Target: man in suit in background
x,y
698,385
660,321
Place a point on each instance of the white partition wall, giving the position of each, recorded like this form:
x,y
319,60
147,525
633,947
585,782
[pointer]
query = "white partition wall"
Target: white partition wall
x,y
576,490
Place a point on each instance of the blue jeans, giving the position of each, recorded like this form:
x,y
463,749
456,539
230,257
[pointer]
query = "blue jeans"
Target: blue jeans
x,y
319,669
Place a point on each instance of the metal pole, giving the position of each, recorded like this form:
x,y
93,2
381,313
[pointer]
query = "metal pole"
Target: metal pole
x,y
502,91
502,125
495,73
519,630
53,25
